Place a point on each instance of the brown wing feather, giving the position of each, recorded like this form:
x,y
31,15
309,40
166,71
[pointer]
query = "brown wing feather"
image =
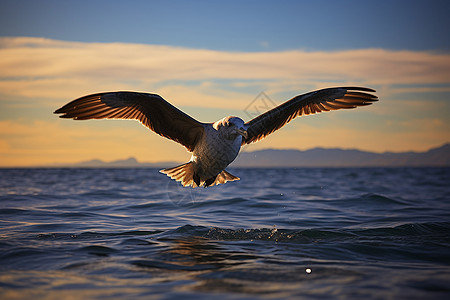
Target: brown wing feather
x,y
310,103
150,109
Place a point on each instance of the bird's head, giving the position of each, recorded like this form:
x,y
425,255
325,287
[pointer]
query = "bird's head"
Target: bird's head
x,y
231,127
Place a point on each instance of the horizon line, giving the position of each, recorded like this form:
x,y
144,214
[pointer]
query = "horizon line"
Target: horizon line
x,y
131,157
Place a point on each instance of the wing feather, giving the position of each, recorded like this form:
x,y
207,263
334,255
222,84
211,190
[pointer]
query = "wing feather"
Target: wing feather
x,y
306,104
150,109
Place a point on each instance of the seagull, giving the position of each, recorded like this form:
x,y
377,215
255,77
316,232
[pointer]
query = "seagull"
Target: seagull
x,y
213,145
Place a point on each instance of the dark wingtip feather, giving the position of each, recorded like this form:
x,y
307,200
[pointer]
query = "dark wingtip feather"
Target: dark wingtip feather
x,y
355,88
61,111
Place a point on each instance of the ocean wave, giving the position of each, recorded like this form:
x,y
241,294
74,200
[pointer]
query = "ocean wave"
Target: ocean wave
x,y
420,230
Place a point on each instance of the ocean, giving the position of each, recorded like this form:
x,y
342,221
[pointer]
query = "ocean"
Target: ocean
x,y
305,233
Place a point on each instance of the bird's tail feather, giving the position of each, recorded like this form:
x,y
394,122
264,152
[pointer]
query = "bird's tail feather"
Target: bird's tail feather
x,y
185,174
224,176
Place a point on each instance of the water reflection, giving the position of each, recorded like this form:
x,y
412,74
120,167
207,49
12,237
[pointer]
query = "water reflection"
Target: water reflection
x,y
207,266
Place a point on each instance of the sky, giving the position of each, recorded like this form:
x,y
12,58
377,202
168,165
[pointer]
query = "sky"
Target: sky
x,y
217,58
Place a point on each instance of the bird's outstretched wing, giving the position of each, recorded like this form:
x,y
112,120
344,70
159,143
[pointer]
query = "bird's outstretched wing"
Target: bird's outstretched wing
x,y
150,109
310,103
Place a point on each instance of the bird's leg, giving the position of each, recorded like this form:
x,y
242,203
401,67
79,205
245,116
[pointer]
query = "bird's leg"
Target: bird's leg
x,y
196,179
210,181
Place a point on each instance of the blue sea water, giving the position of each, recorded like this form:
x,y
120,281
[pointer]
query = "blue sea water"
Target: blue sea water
x,y
326,233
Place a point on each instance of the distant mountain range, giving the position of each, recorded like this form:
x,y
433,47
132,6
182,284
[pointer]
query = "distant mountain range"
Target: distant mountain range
x,y
320,157
317,157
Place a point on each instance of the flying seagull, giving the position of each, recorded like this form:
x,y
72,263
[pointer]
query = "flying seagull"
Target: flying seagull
x,y
213,145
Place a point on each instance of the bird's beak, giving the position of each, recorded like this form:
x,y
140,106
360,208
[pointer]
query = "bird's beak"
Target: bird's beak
x,y
243,132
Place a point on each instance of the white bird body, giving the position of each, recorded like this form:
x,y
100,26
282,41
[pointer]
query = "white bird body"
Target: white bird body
x,y
213,145
218,147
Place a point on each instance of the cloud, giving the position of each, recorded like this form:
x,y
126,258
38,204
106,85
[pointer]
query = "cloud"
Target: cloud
x,y
44,68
